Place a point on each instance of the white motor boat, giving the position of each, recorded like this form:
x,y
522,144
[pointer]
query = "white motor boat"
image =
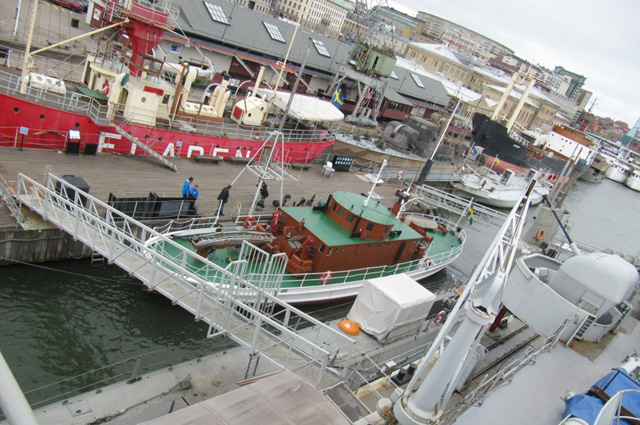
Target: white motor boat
x,y
618,171
633,181
498,190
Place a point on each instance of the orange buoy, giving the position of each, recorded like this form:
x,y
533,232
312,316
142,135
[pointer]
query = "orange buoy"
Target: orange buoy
x,y
349,327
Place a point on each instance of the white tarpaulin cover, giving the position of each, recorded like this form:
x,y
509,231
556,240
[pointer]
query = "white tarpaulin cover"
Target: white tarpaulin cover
x,y
282,399
308,108
388,303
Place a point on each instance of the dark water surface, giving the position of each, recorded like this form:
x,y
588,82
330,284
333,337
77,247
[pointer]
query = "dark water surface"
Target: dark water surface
x,y
70,325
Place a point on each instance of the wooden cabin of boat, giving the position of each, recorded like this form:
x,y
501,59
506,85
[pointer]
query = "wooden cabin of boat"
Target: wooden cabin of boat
x,y
344,234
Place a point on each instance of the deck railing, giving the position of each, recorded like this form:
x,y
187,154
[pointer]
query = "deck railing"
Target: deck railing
x,y
101,114
431,262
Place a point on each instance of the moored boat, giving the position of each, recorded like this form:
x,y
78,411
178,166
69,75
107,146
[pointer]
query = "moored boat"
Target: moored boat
x,y
618,171
497,190
548,153
633,181
133,101
330,248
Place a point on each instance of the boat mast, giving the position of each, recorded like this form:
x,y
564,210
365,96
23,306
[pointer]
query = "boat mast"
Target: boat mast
x,y
427,167
375,183
26,65
481,300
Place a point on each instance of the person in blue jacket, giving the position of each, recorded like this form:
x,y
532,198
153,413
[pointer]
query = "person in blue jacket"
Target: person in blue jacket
x,y
186,187
194,192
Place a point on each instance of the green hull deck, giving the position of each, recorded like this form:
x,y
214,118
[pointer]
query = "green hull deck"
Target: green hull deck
x,y
443,249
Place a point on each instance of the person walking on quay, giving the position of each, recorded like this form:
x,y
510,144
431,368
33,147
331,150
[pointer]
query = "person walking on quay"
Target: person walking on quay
x,y
186,187
223,198
264,192
193,194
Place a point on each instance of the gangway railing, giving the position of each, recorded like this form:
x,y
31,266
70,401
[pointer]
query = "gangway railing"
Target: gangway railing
x,y
234,306
457,205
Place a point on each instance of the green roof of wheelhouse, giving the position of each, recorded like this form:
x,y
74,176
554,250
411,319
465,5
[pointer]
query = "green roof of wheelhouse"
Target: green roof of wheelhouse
x,y
332,234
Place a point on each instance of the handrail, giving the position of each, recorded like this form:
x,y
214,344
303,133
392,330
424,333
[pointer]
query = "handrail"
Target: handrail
x,y
123,240
308,279
79,103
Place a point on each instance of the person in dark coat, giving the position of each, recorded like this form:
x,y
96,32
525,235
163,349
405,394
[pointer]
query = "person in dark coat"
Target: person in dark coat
x,y
264,192
186,186
223,197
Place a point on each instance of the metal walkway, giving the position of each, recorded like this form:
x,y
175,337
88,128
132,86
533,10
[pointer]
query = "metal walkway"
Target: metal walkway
x,y
255,326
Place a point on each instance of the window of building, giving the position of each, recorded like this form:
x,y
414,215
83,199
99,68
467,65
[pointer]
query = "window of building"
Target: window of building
x,y
319,45
217,14
321,249
350,218
274,32
417,80
370,226
175,48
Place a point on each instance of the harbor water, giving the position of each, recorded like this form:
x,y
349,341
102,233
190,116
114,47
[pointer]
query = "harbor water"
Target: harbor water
x,y
70,325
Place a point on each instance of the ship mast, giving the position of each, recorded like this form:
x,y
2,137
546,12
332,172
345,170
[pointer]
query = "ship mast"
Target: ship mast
x,y
425,398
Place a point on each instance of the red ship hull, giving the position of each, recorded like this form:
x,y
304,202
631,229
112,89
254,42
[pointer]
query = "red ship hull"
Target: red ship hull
x,y
47,128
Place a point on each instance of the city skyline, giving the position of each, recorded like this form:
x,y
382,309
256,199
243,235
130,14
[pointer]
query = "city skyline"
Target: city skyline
x,y
589,37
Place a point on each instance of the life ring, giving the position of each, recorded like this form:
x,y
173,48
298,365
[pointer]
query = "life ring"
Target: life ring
x,y
326,277
249,222
439,317
400,175
426,261
540,234
106,88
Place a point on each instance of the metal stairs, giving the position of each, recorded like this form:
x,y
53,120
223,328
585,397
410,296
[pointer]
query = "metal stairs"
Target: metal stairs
x,y
144,147
234,301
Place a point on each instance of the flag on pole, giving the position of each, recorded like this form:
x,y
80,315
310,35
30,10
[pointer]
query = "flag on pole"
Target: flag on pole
x,y
474,152
496,161
470,213
338,98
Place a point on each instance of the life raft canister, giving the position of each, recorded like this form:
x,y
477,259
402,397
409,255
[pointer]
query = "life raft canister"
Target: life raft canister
x,y
349,327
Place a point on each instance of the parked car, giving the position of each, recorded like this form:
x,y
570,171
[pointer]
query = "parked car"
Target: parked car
x,y
74,5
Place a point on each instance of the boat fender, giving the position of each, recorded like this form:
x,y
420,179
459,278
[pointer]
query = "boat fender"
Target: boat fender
x,y
440,317
426,261
540,234
106,88
326,277
249,222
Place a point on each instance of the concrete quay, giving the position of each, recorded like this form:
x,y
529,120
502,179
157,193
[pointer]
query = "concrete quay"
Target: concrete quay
x,y
137,176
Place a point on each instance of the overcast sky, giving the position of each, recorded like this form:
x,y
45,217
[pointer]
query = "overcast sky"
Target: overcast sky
x,y
595,38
